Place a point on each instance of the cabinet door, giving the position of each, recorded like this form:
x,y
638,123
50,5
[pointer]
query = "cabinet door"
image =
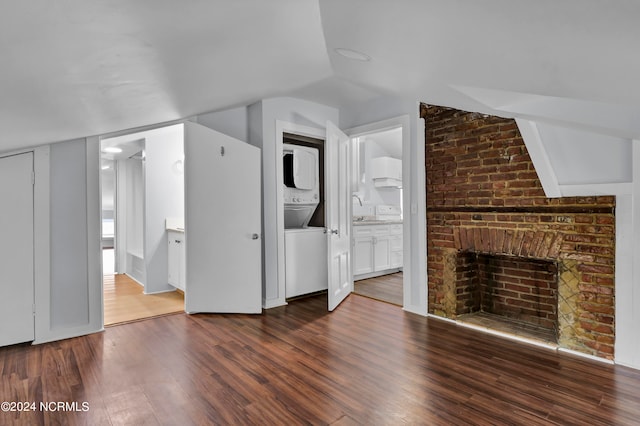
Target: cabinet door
x,y
176,256
395,246
182,281
363,255
381,253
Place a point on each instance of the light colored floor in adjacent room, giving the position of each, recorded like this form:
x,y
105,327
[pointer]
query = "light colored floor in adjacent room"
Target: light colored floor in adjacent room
x,y
124,300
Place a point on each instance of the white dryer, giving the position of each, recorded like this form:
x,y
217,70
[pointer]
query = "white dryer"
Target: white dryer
x,y
301,189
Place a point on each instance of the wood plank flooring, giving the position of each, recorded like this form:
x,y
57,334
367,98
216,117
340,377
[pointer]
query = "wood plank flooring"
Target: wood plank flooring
x,y
125,301
365,363
387,288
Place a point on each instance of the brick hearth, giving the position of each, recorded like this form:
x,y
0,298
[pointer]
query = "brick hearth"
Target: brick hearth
x,y
484,198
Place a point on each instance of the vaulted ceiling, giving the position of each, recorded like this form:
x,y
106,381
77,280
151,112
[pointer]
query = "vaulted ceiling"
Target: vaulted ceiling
x,y
75,68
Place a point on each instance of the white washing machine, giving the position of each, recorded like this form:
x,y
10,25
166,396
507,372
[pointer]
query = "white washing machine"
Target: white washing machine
x,y
306,261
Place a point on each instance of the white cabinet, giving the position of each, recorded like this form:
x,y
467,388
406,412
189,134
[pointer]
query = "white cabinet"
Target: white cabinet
x,y
386,172
363,255
176,271
381,253
376,249
395,246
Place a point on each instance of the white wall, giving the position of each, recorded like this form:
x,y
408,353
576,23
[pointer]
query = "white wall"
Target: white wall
x,y
262,133
69,291
415,271
164,197
108,177
232,122
580,157
131,219
573,162
132,179
368,192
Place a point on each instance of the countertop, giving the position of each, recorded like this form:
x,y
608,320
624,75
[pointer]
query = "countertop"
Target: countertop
x,y
376,222
176,229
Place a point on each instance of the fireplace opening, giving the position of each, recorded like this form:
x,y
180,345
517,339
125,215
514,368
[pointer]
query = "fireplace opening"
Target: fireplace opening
x,y
511,294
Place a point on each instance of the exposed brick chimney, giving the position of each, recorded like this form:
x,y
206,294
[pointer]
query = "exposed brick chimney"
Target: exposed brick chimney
x,y
484,197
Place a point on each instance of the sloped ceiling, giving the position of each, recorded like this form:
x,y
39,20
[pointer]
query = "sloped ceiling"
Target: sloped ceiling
x,y
74,68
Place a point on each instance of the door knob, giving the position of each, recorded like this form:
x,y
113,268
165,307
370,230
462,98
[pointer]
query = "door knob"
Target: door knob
x,y
334,231
255,236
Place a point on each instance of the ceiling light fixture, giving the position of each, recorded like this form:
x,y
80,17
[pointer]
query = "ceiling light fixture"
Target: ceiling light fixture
x,y
352,54
112,150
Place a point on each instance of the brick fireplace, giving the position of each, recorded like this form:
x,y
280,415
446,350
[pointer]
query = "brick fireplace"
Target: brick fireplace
x,y
496,244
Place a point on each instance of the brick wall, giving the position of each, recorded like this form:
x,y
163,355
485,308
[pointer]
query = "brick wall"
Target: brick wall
x,y
468,296
525,290
484,195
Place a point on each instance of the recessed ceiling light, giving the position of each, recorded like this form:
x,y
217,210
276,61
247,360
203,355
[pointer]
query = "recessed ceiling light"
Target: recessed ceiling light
x,y
352,54
106,167
112,150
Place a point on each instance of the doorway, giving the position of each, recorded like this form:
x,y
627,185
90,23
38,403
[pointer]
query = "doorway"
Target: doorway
x,y
142,187
378,219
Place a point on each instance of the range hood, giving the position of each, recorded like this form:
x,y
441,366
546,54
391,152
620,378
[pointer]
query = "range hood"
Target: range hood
x,y
386,172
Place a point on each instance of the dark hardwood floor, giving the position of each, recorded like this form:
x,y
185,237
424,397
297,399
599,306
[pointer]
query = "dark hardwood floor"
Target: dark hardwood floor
x,y
365,363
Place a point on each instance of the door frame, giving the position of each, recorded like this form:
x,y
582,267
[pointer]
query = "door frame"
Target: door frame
x,y
283,127
94,195
414,285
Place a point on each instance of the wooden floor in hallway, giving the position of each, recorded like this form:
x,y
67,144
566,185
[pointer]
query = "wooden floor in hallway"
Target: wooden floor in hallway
x,y
124,301
386,288
366,363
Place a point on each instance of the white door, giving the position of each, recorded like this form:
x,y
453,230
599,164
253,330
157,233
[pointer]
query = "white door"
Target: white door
x,y
338,214
222,223
16,250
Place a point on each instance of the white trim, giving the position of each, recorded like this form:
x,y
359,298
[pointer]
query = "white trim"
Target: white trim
x,y
533,142
42,247
120,218
94,235
414,284
551,346
594,189
141,129
583,355
297,129
627,276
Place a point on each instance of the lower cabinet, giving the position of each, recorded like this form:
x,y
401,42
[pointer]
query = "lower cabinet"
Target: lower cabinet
x,y
362,255
176,272
376,248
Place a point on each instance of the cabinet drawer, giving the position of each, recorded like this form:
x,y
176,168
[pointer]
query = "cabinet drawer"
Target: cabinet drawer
x,y
381,230
362,231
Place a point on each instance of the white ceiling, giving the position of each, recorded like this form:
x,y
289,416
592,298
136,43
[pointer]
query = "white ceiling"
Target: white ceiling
x,y
75,68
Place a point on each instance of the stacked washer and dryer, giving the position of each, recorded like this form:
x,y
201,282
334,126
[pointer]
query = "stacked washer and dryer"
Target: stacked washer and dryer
x,y
305,246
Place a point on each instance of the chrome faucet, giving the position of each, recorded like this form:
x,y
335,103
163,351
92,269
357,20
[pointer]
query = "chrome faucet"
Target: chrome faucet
x,y
359,200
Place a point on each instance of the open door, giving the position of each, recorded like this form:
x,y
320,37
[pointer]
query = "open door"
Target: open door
x,y
338,214
222,223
